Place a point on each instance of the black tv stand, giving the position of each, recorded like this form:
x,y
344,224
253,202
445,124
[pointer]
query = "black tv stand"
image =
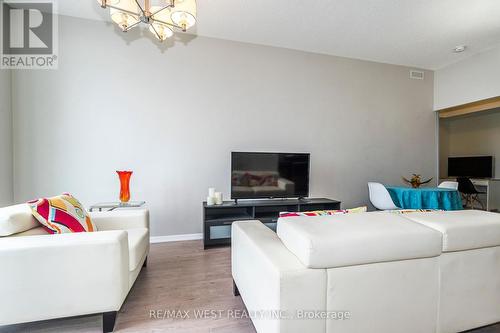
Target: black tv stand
x,y
217,219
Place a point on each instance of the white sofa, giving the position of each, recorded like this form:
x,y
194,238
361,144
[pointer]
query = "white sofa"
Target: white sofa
x,y
281,188
47,276
370,272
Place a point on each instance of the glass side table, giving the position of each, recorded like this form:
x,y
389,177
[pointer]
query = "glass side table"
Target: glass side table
x,y
109,206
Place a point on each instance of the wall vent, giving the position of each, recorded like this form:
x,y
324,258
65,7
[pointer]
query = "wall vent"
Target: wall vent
x,y
416,75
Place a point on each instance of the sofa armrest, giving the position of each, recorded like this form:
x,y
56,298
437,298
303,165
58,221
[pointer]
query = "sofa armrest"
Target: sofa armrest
x,y
271,278
121,219
53,276
286,185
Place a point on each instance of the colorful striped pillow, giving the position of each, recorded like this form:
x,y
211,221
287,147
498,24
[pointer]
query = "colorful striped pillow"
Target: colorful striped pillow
x,y
62,214
325,212
407,211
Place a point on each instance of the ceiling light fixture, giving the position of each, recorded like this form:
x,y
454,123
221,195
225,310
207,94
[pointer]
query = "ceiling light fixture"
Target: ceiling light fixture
x,y
460,48
175,14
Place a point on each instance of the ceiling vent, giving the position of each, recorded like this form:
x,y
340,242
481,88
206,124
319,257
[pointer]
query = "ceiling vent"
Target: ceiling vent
x,y
416,75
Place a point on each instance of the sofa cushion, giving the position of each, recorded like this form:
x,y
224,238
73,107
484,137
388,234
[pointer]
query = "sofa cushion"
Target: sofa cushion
x,y
354,239
325,212
15,219
138,242
239,191
62,214
462,229
138,245
33,232
411,211
254,178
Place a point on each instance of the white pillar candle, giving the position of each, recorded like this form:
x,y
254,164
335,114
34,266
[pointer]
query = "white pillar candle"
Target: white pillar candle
x,y
211,192
210,201
218,198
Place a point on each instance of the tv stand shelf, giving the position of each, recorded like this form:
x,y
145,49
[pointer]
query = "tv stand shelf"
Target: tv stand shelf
x,y
217,219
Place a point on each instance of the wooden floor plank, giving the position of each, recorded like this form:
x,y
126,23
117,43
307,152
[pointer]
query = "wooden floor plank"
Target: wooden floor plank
x,y
179,276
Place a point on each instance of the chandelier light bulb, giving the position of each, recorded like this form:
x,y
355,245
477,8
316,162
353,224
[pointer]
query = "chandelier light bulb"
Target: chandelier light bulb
x,y
183,19
162,31
123,23
123,20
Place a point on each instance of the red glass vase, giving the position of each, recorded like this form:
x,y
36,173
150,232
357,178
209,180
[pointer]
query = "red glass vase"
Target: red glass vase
x,y
124,185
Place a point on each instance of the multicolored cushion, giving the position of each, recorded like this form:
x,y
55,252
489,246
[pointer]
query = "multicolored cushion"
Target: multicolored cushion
x,y
255,178
263,180
325,212
62,214
407,211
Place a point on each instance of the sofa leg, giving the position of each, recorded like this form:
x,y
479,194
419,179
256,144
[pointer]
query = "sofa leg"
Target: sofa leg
x,y
145,263
236,292
108,321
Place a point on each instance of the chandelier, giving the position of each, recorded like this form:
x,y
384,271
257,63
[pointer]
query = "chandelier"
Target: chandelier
x,y
174,14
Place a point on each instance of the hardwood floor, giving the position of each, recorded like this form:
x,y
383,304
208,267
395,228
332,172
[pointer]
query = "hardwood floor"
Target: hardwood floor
x,y
180,276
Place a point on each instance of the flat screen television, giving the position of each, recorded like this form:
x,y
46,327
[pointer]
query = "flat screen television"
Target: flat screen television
x,y
269,175
472,167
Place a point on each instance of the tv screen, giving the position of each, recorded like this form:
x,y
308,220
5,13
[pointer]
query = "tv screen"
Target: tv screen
x,y
269,175
473,167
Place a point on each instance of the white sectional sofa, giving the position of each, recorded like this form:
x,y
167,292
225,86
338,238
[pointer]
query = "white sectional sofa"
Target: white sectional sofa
x,y
277,187
469,268
47,276
370,272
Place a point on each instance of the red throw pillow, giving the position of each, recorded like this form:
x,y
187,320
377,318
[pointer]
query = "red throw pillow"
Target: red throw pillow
x,y
62,214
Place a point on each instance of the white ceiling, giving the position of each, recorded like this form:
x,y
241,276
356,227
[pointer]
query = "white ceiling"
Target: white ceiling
x,y
418,33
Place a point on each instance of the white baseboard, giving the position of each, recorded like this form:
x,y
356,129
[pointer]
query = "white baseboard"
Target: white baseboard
x,y
175,238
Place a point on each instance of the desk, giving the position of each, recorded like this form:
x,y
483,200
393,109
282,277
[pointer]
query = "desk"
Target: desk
x,y
492,189
425,198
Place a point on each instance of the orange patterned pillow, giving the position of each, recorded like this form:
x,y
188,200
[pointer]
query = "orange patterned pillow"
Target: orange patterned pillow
x,y
62,214
325,212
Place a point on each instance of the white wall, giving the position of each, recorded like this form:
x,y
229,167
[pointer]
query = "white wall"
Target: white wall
x,y
6,194
173,115
473,79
